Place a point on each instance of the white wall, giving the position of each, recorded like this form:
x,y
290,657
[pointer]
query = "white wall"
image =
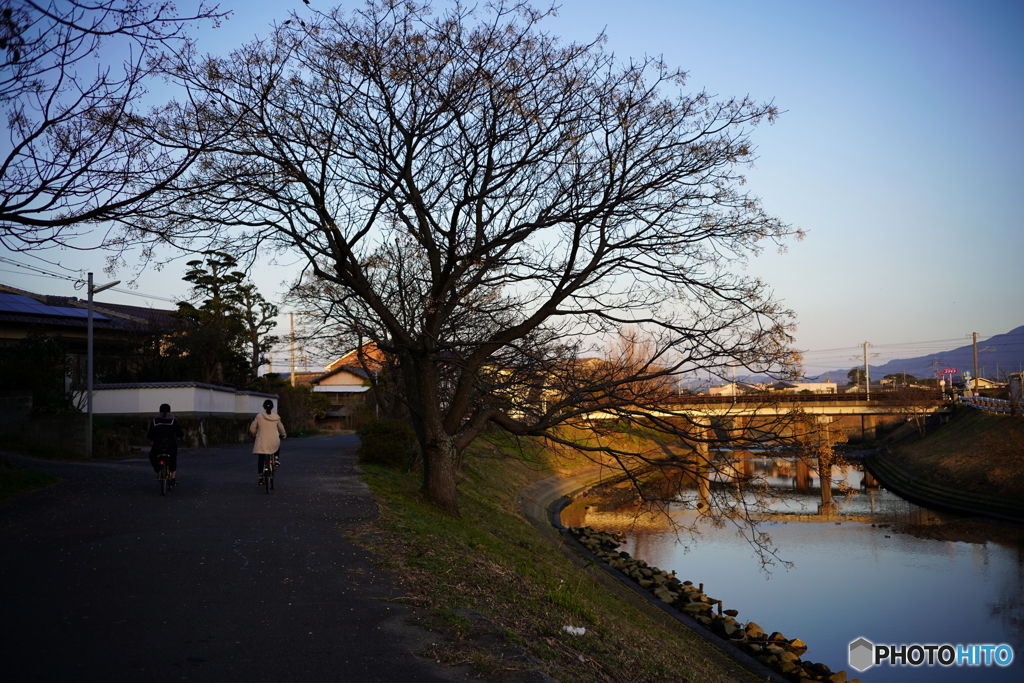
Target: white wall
x,y
250,403
185,399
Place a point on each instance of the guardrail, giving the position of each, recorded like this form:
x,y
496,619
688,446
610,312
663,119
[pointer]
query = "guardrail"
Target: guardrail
x,y
993,405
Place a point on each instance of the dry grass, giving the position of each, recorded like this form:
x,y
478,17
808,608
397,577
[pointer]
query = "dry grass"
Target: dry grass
x,y
977,451
494,563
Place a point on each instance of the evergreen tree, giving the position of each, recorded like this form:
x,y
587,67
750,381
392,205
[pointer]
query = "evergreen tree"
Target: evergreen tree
x,y
225,338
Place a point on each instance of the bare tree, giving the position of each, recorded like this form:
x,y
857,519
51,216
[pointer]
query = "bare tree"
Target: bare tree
x,y
78,149
916,403
490,206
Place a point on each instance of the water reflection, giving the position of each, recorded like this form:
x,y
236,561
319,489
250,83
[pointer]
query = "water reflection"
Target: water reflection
x,y
852,574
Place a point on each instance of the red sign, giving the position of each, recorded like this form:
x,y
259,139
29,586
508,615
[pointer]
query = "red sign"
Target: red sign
x,y
950,371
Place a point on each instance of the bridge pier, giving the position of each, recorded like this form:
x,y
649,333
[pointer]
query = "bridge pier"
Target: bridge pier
x,y
746,467
703,466
825,477
803,476
825,457
742,424
868,427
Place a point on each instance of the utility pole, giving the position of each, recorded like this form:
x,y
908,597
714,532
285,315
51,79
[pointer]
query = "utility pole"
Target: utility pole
x,y
88,362
976,378
291,321
867,373
734,385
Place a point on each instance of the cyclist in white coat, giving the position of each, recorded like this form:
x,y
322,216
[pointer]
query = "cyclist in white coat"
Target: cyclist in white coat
x,y
269,431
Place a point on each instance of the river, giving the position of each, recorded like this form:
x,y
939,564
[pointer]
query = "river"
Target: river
x,y
859,572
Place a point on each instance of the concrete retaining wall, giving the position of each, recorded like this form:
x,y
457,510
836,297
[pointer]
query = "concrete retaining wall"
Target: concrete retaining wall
x,y
66,432
932,494
115,437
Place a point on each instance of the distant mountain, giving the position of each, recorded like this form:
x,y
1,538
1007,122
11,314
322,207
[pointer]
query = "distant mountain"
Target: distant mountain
x,y
1003,351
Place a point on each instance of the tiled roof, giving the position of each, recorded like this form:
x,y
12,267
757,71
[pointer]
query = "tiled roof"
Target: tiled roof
x,y
356,370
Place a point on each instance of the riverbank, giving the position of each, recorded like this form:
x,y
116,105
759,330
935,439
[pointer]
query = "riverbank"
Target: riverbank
x,y
973,464
492,577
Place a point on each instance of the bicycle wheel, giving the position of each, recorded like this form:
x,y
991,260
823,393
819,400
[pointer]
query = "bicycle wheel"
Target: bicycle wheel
x,y
165,479
268,478
271,485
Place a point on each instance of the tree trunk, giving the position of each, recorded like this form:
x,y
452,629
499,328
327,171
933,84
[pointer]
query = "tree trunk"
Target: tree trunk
x,y
440,454
441,459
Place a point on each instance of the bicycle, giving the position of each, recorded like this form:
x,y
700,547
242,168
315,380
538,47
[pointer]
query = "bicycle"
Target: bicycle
x,y
268,473
164,475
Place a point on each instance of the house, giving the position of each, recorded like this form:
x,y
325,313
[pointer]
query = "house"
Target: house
x,y
119,332
345,386
22,311
804,387
735,389
367,356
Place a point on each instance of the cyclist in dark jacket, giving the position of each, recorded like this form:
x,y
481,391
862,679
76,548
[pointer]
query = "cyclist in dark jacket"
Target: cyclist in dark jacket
x,y
164,432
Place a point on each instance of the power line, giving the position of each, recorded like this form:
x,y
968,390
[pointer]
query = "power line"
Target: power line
x,y
42,272
922,344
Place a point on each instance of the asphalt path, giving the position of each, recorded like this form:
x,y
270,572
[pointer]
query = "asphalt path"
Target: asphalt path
x,y
102,579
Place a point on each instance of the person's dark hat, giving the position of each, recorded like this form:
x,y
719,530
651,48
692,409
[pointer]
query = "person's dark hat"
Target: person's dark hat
x,y
164,408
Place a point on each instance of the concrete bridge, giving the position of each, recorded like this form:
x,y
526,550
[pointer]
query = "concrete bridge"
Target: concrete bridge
x,y
809,418
812,404
854,414
802,417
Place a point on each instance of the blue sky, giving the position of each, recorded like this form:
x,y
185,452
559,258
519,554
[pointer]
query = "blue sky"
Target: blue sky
x,y
899,152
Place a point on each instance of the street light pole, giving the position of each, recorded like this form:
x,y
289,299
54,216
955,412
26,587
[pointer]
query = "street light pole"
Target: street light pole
x,y
88,363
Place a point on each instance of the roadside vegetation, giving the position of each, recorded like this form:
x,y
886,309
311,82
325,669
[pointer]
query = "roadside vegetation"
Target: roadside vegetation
x,y
491,561
33,450
16,480
976,451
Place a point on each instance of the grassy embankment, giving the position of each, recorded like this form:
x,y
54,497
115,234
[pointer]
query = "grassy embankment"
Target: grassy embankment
x,y
973,464
492,561
976,451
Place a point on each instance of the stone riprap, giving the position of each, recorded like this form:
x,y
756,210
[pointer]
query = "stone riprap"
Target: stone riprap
x,y
773,650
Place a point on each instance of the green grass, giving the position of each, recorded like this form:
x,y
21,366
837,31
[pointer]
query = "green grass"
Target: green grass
x,y
17,480
494,562
570,598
